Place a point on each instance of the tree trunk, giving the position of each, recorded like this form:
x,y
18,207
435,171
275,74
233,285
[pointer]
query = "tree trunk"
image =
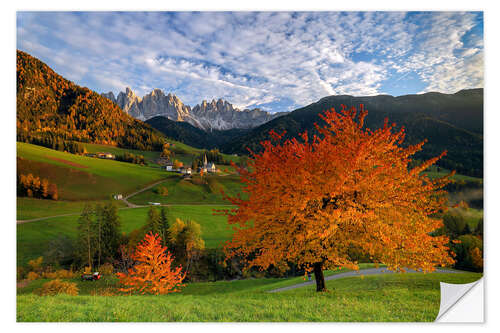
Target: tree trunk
x,y
320,278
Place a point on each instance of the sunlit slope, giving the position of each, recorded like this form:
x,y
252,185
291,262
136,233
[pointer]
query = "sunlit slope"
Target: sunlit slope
x,y
84,178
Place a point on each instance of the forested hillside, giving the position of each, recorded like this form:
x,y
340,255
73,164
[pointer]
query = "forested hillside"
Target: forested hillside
x,y
52,110
192,136
449,122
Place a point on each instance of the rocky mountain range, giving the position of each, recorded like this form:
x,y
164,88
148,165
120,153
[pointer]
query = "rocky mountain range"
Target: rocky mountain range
x,y
208,116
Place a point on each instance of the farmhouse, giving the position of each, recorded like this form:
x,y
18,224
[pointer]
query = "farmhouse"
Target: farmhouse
x,y
105,155
186,171
117,196
169,166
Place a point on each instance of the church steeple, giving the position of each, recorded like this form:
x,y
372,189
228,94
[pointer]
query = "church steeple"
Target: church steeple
x,y
205,160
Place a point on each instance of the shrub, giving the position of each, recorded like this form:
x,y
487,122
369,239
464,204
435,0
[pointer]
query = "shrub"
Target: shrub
x,y
466,256
477,258
162,190
21,273
213,185
454,224
59,274
33,276
57,286
36,264
106,269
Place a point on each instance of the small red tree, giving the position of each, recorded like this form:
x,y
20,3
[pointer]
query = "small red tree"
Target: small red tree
x,y
153,273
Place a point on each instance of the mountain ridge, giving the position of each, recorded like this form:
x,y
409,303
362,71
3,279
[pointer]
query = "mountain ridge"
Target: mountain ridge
x,y
452,122
208,115
52,109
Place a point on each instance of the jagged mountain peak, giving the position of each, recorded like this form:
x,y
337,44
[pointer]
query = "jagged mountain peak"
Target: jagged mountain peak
x,y
216,114
109,95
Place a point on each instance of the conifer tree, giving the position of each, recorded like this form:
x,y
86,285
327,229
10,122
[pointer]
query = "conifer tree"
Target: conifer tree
x,y
165,226
86,236
110,231
153,223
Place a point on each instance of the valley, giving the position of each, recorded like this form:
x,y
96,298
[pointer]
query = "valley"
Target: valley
x,y
153,164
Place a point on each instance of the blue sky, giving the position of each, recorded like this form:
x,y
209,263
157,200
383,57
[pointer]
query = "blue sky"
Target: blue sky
x,y
275,60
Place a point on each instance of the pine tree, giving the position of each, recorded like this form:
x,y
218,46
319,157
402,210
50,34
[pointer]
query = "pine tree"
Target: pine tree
x,y
153,223
86,237
110,231
165,226
98,230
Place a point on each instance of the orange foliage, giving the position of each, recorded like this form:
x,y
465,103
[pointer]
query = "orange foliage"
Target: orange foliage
x,y
477,258
153,273
311,201
51,108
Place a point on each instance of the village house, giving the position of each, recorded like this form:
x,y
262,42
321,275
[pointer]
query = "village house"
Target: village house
x,y
105,155
169,166
118,197
186,171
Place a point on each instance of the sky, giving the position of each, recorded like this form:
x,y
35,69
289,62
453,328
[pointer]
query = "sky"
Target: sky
x,y
277,61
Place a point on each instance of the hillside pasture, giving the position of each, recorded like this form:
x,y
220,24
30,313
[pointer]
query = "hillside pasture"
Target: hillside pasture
x,y
149,156
32,208
33,238
84,178
194,190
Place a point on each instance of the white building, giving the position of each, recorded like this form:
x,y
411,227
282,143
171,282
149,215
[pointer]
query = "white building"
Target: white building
x,y
186,171
211,167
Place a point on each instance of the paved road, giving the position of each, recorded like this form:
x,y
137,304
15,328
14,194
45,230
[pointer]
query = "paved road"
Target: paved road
x,y
368,271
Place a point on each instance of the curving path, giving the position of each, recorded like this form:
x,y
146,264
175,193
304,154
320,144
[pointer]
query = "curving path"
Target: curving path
x,y
367,271
131,205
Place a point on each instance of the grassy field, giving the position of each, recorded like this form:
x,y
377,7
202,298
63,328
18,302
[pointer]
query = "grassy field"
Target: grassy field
x,y
399,297
433,172
33,238
31,208
84,178
191,191
149,156
471,215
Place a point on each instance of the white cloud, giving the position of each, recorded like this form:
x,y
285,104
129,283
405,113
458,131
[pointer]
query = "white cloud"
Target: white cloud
x,y
253,58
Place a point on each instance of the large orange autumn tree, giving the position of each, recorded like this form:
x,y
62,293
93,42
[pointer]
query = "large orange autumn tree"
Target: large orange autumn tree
x,y
311,202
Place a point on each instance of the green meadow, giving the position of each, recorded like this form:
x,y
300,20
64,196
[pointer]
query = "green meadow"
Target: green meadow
x,y
32,208
84,178
407,297
191,190
33,238
149,156
434,172
398,297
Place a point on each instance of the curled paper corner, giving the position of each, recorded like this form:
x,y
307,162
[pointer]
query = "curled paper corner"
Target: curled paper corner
x,y
462,303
